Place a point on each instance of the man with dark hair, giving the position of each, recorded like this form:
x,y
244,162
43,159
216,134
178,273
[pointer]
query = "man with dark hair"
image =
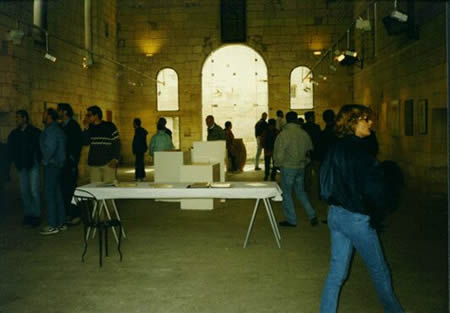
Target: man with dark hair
x,y
139,148
104,153
292,147
215,132
24,152
53,147
260,127
73,134
280,121
163,122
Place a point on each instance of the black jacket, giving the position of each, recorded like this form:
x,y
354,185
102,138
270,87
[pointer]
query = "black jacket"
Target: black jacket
x,y
140,140
74,142
23,147
351,177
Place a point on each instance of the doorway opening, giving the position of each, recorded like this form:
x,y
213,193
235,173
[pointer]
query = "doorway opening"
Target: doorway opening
x,y
235,89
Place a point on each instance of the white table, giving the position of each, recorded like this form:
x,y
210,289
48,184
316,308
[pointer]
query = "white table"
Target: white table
x,y
260,191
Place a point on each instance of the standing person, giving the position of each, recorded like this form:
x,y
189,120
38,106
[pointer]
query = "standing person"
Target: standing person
x,y
4,177
312,169
229,138
163,122
292,147
53,147
268,142
139,148
260,127
280,120
327,136
25,153
215,132
351,179
160,141
104,153
73,134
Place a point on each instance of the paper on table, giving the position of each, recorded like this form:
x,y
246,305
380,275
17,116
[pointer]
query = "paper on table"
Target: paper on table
x,y
220,185
199,185
126,185
161,186
256,184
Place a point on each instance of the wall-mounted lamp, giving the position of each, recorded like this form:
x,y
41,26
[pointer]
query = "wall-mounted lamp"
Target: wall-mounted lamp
x,y
317,52
395,23
15,35
47,55
347,57
363,25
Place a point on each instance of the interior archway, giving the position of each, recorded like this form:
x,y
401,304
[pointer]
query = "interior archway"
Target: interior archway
x,y
234,88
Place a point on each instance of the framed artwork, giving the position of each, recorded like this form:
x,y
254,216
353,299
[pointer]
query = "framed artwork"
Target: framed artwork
x,y
409,117
394,117
422,115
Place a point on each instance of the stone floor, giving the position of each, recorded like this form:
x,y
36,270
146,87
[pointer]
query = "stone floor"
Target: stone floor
x,y
192,261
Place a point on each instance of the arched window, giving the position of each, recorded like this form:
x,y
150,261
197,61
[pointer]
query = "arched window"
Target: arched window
x,y
167,90
302,88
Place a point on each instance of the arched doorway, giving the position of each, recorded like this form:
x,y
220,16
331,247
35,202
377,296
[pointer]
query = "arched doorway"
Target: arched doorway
x,y
234,88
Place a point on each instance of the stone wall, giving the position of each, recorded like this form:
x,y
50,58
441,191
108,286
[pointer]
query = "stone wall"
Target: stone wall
x,y
405,69
31,82
181,35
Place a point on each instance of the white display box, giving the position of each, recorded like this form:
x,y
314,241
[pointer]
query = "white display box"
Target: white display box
x,y
210,152
205,172
167,166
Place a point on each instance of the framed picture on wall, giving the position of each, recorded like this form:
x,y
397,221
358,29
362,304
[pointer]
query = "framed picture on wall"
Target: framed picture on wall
x,y
394,117
409,117
422,115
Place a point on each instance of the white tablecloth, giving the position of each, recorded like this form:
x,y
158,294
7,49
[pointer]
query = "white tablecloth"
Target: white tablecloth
x,y
237,190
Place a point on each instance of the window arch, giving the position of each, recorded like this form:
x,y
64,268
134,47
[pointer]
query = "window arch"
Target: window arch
x,y
167,90
302,89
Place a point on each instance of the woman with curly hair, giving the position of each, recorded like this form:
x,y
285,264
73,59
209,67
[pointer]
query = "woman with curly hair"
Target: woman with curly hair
x,y
353,184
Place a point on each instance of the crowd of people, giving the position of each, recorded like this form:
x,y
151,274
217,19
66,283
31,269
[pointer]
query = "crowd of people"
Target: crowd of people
x,y
352,181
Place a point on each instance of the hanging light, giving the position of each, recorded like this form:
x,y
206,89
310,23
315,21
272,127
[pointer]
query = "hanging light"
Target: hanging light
x,y
47,55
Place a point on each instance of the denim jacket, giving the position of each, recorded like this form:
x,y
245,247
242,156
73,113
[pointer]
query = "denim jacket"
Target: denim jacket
x,y
351,177
53,146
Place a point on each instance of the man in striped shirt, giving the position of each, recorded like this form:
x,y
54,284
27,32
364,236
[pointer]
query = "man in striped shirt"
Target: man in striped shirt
x,y
104,152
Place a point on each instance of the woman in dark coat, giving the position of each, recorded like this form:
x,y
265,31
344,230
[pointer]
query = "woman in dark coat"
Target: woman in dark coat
x,y
352,182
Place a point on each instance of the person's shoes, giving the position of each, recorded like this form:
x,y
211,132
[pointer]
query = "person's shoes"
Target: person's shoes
x,y
286,224
63,227
314,221
73,221
257,168
46,231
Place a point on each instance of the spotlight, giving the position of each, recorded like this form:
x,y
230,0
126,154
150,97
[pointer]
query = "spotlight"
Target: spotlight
x,y
400,16
332,68
363,25
317,52
15,36
394,26
50,57
347,57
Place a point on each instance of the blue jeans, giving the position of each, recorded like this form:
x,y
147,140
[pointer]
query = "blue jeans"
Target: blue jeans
x,y
350,230
30,188
294,178
56,216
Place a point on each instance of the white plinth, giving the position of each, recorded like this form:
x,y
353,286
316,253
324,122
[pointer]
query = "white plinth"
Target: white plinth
x,y
210,152
167,166
199,173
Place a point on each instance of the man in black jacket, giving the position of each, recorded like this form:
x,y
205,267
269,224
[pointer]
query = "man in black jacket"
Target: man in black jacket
x,y
139,149
24,152
70,170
